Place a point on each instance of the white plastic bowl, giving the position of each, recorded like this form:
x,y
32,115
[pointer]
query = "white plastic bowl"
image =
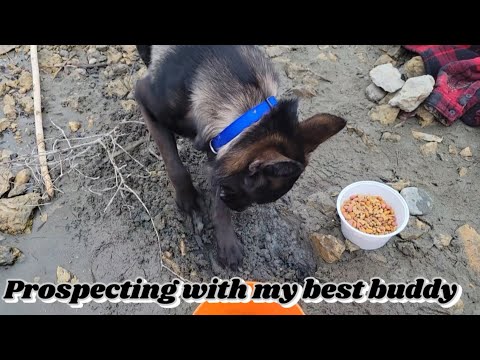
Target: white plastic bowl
x,y
391,197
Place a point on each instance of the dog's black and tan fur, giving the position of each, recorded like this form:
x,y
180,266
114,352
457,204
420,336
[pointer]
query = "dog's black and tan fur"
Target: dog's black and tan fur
x,y
196,91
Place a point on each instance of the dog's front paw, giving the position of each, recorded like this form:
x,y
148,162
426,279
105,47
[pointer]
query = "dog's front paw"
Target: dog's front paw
x,y
188,200
230,252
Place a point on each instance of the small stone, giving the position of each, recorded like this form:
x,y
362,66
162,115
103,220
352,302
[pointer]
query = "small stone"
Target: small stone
x,y
387,77
467,152
414,229
406,248
441,240
377,257
27,104
101,47
305,91
293,70
462,171
328,247
74,126
113,55
426,117
36,279
90,122
429,149
413,93
387,136
274,51
117,88
384,59
80,71
386,99
386,114
374,93
414,67
65,276
92,61
25,82
5,177
128,105
9,107
4,124
15,213
351,247
399,185
323,202
63,53
452,149
418,200
426,137
9,255
471,242
18,190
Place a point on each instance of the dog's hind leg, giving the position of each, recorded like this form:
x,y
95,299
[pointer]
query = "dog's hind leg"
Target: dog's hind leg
x,y
186,195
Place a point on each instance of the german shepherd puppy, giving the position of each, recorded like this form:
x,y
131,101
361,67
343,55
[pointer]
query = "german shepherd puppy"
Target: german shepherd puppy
x,y
196,92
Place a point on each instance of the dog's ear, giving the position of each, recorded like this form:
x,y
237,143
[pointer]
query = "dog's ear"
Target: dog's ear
x,y
319,128
276,165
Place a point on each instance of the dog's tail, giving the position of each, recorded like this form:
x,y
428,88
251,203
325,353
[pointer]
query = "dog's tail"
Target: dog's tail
x,y
145,52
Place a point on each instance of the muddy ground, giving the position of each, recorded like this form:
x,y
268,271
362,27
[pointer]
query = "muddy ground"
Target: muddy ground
x,y
78,232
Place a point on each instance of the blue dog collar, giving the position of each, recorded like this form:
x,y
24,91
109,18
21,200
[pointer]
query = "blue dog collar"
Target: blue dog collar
x,y
244,121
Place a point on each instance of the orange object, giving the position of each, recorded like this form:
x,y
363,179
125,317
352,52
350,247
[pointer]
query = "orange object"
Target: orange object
x,y
249,308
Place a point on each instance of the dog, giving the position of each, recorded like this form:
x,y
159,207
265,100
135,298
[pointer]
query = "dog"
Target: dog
x,y
223,97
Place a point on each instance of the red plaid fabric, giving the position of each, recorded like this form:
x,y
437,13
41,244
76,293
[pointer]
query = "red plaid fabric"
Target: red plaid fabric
x,y
456,69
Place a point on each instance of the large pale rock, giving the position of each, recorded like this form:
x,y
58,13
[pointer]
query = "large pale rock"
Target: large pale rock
x,y
413,93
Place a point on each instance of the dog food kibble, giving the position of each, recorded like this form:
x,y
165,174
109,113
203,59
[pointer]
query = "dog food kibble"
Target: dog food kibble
x,y
369,214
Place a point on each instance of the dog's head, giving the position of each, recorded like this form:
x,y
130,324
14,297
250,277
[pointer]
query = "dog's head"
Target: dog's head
x,y
264,164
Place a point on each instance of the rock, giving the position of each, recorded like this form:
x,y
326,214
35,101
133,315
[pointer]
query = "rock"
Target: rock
x,y
418,200
293,70
426,137
426,117
113,55
27,104
117,88
328,247
9,255
92,61
351,247
374,93
15,213
5,155
5,177
274,51
452,149
384,59
305,91
101,47
467,152
414,67
441,240
429,148
414,230
458,308
65,276
64,53
74,126
6,48
399,185
3,88
413,93
25,82
387,77
406,248
394,51
377,257
471,243
323,202
386,99
9,107
386,114
4,124
18,190
387,136
128,105
36,279
462,171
